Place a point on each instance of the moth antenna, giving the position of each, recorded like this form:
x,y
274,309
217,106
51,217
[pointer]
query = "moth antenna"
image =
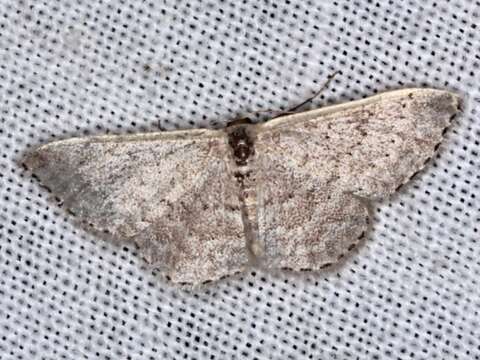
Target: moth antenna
x,y
296,107
322,88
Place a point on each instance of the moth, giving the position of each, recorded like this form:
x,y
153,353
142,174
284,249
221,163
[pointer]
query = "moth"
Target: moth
x,y
290,193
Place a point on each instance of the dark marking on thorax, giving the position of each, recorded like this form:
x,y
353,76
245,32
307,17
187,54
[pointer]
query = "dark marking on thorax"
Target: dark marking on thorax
x,y
241,143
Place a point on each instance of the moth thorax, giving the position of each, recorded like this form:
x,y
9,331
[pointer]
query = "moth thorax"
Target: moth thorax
x,y
241,143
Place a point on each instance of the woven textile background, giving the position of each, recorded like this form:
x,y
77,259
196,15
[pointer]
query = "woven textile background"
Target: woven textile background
x,y
79,67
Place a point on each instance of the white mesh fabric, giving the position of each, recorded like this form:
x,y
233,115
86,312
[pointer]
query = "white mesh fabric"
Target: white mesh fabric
x,y
72,68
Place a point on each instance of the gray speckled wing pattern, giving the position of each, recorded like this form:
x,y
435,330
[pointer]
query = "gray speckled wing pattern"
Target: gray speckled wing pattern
x,y
318,170
291,193
169,192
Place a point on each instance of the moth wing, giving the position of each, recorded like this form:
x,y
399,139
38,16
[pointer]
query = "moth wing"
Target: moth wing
x,y
171,193
318,169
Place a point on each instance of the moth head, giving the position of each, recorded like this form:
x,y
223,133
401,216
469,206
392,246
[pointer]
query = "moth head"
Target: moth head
x,y
240,121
